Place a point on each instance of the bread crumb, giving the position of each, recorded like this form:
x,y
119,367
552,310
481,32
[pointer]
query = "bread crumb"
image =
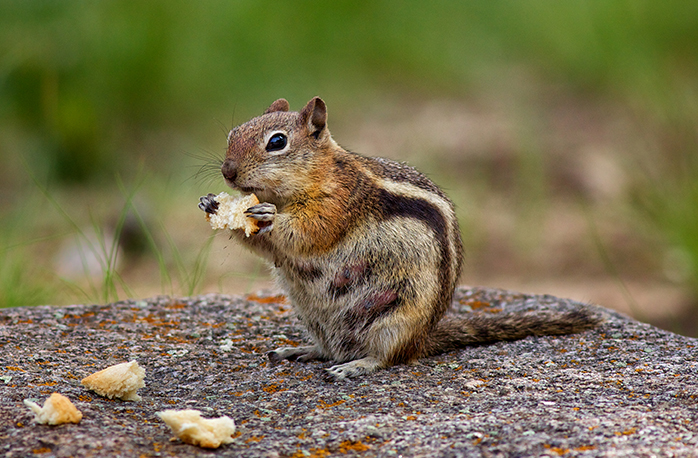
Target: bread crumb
x,y
118,381
231,213
191,428
57,410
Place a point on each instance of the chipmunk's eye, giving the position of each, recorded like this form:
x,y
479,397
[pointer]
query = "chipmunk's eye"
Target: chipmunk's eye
x,y
277,142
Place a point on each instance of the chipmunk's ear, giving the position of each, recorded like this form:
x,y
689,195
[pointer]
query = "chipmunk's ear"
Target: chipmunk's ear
x,y
279,105
314,116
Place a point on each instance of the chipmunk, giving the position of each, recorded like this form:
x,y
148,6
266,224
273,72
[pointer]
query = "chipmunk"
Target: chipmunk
x,y
368,249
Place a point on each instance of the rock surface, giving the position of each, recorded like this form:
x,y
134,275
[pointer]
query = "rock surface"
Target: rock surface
x,y
624,389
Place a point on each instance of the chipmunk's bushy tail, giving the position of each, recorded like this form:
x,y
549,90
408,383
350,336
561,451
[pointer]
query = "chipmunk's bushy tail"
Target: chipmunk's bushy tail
x,y
452,333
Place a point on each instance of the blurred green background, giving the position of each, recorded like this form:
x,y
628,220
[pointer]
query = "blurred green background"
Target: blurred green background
x,y
564,131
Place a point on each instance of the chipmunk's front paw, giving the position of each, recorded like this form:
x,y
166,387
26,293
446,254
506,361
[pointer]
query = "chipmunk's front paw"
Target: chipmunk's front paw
x,y
208,204
264,213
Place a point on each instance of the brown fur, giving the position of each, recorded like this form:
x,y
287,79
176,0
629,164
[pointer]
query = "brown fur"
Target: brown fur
x,y
368,249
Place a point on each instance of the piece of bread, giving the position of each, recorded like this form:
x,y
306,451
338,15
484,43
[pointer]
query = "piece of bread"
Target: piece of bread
x,y
191,428
231,213
57,410
118,381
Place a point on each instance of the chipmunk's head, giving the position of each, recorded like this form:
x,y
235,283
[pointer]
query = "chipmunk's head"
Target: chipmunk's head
x,y
276,154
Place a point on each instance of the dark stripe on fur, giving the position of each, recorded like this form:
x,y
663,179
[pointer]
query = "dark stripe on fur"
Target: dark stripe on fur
x,y
393,205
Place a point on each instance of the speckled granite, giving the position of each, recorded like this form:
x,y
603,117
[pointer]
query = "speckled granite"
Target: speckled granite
x,y
625,389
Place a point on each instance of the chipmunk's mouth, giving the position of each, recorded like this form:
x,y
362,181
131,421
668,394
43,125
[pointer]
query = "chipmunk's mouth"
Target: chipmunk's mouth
x,y
259,192
243,189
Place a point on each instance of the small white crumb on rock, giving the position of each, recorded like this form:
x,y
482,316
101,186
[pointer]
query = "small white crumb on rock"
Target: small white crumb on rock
x,y
119,381
472,384
57,410
191,428
231,213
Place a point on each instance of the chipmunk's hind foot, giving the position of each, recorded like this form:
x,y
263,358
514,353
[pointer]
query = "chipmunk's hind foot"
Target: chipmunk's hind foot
x,y
302,354
354,368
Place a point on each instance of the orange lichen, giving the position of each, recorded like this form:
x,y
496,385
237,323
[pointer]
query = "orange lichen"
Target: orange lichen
x,y
290,343
475,304
273,388
627,432
347,446
557,450
325,405
278,299
176,306
254,439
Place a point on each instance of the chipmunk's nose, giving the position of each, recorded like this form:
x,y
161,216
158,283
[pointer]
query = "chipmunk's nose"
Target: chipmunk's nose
x,y
229,171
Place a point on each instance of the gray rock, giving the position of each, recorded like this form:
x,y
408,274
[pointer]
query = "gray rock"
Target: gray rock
x,y
624,389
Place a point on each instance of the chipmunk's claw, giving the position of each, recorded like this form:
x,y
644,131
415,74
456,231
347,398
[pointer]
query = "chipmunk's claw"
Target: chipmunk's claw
x,y
208,203
262,212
